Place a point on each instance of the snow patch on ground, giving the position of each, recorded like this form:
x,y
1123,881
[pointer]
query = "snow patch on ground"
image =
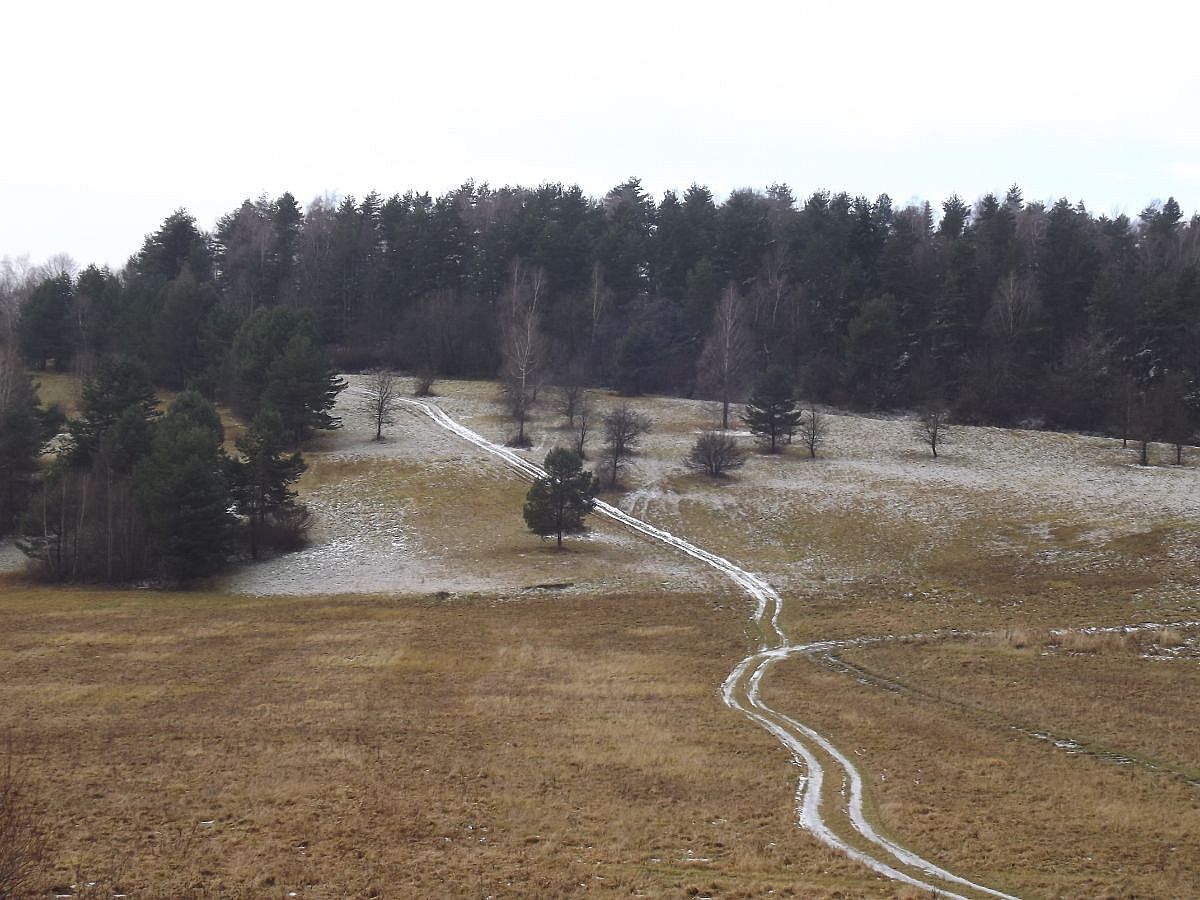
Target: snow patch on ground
x,y
11,559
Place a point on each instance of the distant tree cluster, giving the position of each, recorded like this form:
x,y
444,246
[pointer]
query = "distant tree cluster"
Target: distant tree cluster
x,y
134,493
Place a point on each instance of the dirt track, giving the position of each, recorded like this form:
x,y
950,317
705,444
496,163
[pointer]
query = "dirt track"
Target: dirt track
x,y
741,692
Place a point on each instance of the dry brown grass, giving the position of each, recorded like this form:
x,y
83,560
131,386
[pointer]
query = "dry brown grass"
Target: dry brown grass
x,y
1009,759
58,388
954,769
200,744
350,746
22,842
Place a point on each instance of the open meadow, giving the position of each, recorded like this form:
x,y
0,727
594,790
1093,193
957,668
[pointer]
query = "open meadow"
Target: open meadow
x,y
430,701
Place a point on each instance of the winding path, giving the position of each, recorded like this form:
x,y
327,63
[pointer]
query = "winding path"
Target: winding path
x,y
844,828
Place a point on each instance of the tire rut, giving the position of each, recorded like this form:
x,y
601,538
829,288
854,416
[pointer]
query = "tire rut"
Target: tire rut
x,y
811,751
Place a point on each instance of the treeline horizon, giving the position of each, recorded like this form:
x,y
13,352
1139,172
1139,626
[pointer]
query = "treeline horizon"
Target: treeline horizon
x,y
1004,311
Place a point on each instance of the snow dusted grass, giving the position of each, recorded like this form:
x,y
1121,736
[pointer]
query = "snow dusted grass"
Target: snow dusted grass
x,y
422,511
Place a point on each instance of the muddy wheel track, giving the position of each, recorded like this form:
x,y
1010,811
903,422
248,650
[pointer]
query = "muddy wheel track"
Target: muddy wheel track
x,y
833,813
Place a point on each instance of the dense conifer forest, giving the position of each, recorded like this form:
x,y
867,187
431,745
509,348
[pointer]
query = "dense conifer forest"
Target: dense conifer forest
x,y
1004,311
1007,310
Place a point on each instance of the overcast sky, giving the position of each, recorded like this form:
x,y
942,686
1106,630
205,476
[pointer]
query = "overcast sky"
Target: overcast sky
x,y
119,112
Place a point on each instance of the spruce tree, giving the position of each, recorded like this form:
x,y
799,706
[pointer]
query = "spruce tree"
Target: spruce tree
x,y
20,445
773,415
262,478
118,384
180,488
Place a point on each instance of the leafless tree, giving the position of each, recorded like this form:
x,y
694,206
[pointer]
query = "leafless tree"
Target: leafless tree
x,y
813,430
583,424
623,429
570,394
932,427
523,345
423,383
715,453
427,337
382,389
723,361
314,250
1014,308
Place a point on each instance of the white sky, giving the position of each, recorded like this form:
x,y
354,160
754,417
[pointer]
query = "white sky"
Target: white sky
x,y
117,113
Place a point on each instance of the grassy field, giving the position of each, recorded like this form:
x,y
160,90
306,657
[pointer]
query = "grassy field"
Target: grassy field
x,y
206,745
497,719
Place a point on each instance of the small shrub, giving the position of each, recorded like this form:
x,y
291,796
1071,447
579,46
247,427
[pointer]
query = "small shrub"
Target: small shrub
x,y
1099,642
286,529
1168,638
715,453
1020,638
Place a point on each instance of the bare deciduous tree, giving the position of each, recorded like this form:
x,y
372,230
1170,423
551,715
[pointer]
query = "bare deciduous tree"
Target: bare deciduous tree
x,y
813,430
932,427
623,428
523,346
381,386
715,453
583,424
1014,307
724,359
570,395
427,338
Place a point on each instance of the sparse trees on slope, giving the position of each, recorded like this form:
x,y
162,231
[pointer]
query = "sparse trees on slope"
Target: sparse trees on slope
x,y
772,415
623,429
558,503
715,453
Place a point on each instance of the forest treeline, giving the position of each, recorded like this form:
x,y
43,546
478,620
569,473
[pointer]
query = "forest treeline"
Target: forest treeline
x,y
1006,311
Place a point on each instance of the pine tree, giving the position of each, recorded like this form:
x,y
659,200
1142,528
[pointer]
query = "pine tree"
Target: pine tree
x,y
20,445
262,479
117,384
43,327
773,415
303,388
181,490
558,503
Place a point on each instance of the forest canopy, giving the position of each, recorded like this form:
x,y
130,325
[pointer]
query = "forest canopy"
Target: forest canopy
x,y
1004,310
